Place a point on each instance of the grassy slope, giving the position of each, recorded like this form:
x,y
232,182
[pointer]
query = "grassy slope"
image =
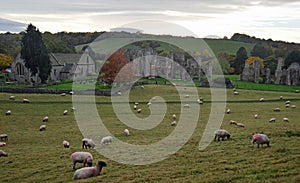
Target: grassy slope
x,y
39,156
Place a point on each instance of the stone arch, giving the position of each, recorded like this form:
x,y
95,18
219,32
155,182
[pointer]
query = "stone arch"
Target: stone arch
x,y
20,69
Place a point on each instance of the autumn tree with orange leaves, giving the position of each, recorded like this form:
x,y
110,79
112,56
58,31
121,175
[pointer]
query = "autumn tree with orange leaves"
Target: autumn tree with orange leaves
x,y
117,69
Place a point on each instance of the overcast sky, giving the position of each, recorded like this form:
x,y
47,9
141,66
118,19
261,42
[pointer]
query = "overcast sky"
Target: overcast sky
x,y
276,19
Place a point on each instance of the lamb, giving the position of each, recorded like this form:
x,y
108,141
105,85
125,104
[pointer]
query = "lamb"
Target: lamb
x,y
65,112
221,134
88,172
136,103
173,123
139,110
82,157
260,139
126,132
272,120
45,119
42,127
286,119
255,116
2,153
2,144
106,140
12,97
87,143
8,113
4,137
66,144
276,109
25,100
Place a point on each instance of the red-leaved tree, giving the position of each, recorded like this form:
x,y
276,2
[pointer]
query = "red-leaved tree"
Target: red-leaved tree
x,y
117,69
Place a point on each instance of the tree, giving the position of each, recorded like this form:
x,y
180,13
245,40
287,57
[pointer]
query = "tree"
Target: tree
x,y
261,51
239,62
251,60
112,67
294,56
35,54
5,61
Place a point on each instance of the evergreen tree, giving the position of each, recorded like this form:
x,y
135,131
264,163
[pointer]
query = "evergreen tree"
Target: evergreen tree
x,y
294,56
35,54
239,62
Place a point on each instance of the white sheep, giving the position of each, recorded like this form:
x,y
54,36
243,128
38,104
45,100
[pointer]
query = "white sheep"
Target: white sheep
x,y
149,103
82,157
4,137
288,102
25,100
272,120
136,103
106,140
139,110
2,144
276,109
2,153
173,123
174,116
135,107
142,87
260,139
232,122
71,92
186,106
65,112
63,94
255,116
8,113
88,172
87,143
221,134
286,119
199,101
287,105
12,97
126,132
240,125
293,106
236,93
261,99
66,144
42,127
281,97
73,108
45,119
186,96
119,93
228,111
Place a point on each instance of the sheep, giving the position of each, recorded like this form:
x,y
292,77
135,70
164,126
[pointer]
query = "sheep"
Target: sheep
x,y
136,103
288,102
281,97
261,99
88,172
12,97
276,109
260,139
186,96
240,125
82,157
71,92
286,119
106,140
174,116
149,103
153,98
126,132
8,113
2,144
45,119
139,110
63,94
232,122
293,106
66,144
236,93
135,107
142,87
42,127
87,143
272,120
25,100
186,106
173,123
287,105
2,153
228,111
119,93
221,134
255,116
199,101
73,108
4,137
65,112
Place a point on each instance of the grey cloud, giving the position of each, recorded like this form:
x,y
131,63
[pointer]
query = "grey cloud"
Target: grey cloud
x,y
11,26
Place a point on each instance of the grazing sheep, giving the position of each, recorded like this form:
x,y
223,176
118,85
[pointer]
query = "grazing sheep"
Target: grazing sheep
x,y
136,103
272,120
260,139
186,106
119,93
106,140
73,108
87,143
2,144
42,127
199,101
139,110
126,132
186,96
221,134
65,112
293,106
25,100
2,153
45,119
236,93
174,116
88,172
287,105
240,125
261,99
134,107
82,157
71,92
281,97
173,123
142,87
153,98
276,109
8,113
288,102
286,119
66,144
149,103
228,111
255,116
12,97
4,137
63,94
232,122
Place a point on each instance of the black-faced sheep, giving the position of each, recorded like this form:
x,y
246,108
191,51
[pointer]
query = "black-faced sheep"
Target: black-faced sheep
x,y
82,157
87,143
286,119
221,134
255,116
66,144
25,100
2,153
288,102
8,113
88,172
4,137
276,109
174,116
45,119
236,93
260,139
139,110
228,111
42,127
12,97
261,99
65,112
173,123
135,107
106,140
186,106
272,120
2,144
287,105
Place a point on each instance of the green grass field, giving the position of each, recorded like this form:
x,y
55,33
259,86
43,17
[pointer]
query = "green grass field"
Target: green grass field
x,y
36,156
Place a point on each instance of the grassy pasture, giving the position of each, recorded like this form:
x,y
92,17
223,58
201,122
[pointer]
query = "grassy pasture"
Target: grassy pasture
x,y
36,156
